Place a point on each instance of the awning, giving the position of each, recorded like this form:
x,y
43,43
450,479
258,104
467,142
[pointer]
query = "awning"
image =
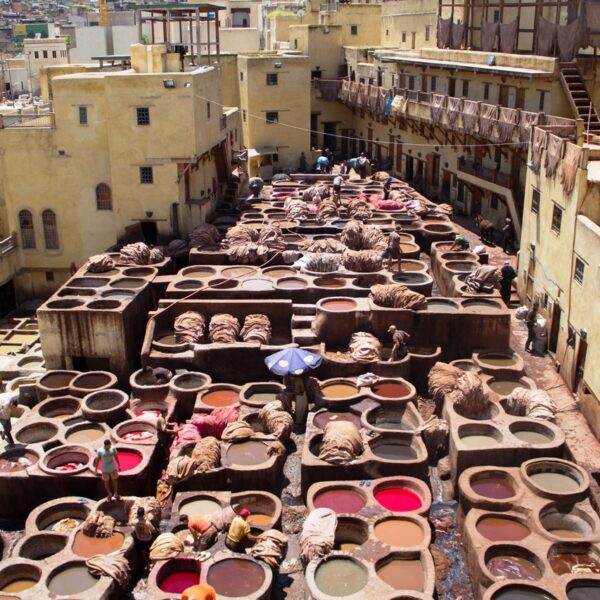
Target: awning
x,y
252,152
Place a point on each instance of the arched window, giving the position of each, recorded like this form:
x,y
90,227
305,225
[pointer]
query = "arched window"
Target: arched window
x,y
50,230
27,231
103,197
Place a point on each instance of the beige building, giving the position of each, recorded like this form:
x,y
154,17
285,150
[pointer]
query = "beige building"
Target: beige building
x,y
40,53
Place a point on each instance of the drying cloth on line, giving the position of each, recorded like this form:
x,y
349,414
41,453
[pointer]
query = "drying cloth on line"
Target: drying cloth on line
x,y
166,545
327,245
469,397
237,431
508,37
488,113
329,89
489,33
322,263
152,509
344,91
373,99
270,547
318,534
364,347
569,166
568,38
116,567
213,424
257,328
537,148
444,32
135,254
387,104
470,113
189,328
399,105
458,35
507,123
363,95
483,278
454,108
535,404
437,106
397,295
353,95
276,420
223,329
545,37
560,126
527,121
554,149
442,380
362,261
101,263
98,525
341,443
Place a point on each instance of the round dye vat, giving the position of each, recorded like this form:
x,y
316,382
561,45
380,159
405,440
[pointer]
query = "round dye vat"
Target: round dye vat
x,y
276,273
497,488
479,441
584,591
219,398
339,390
247,453
85,435
235,272
340,501
564,563
398,532
18,585
390,389
502,529
330,284
257,285
138,436
262,397
127,459
513,567
202,506
566,534
324,417
439,306
521,593
292,284
552,481
346,546
403,574
339,305
532,437
391,451
498,360
177,582
235,577
398,499
340,577
260,519
12,462
168,339
70,581
505,388
86,546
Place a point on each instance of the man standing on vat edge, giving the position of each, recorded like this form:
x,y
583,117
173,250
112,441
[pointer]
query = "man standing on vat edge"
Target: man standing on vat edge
x,y
400,339
109,470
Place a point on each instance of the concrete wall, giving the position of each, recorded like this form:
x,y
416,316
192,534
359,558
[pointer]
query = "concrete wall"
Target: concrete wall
x,y
239,39
416,19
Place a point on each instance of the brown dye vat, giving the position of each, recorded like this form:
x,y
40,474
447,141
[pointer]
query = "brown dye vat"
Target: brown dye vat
x,y
72,580
566,534
235,577
532,437
262,397
440,306
398,532
285,224
223,284
276,273
198,272
168,339
408,247
260,520
19,585
339,390
36,433
584,591
85,435
564,563
410,266
321,419
403,574
346,546
188,285
479,441
13,461
498,360
61,408
329,283
554,482
391,451
340,500
220,398
506,387
340,577
339,305
56,381
247,453
513,567
502,529
88,282
292,284
201,506
522,593
128,283
390,389
236,272
86,546
497,488
91,381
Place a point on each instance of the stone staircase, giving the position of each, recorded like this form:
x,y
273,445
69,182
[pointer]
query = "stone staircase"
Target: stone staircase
x,y
302,320
580,100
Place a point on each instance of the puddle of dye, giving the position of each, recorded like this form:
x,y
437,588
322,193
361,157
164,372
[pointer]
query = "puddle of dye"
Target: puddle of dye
x,y
394,452
554,482
247,453
262,397
403,574
221,398
532,437
500,529
177,582
479,441
339,390
566,534
202,507
504,388
84,436
398,499
138,436
568,562
235,578
390,390
128,460
326,416
441,307
493,487
260,519
339,305
340,577
399,532
292,284
72,580
86,546
340,501
19,585
276,273
584,592
513,567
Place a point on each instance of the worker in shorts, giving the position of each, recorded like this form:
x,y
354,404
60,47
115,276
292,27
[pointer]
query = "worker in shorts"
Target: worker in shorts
x,y
109,470
393,250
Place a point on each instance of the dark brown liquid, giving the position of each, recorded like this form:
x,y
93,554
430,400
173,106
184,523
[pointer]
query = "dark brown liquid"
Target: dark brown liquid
x,y
513,567
220,398
403,574
390,390
247,453
339,305
497,488
235,578
502,529
567,562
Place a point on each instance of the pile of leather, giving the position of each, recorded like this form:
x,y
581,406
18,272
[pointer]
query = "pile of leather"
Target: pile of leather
x,y
101,263
322,263
327,210
110,565
204,235
315,193
296,209
205,456
318,534
483,278
152,510
190,328
156,255
341,443
362,261
469,397
238,431
243,245
166,545
328,245
442,380
364,347
359,208
275,420
272,237
397,295
257,328
223,329
535,404
270,547
98,525
135,254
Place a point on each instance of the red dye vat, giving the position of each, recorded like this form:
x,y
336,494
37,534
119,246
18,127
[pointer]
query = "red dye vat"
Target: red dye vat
x,y
138,436
128,460
143,413
398,499
70,466
177,582
340,501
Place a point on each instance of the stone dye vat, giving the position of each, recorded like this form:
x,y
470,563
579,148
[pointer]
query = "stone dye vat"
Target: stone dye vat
x,y
256,395
217,395
515,530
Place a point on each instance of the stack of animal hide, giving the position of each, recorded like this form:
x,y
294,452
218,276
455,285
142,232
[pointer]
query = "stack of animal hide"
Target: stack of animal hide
x,y
116,567
322,263
485,277
318,534
190,328
98,525
135,254
469,397
156,255
397,295
442,380
296,209
204,235
341,443
272,237
101,263
152,510
238,431
359,208
315,193
223,329
362,261
205,456
214,423
351,235
257,328
327,210
243,246
166,545
364,347
275,420
325,245
270,547
535,404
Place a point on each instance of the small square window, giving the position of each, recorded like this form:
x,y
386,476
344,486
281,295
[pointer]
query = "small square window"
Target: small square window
x,y
49,276
244,116
208,110
45,53
486,91
433,83
36,54
146,175
271,78
427,32
556,218
579,270
465,91
542,101
241,75
403,36
143,115
272,117
353,29
53,53
295,44
83,115
535,201
387,32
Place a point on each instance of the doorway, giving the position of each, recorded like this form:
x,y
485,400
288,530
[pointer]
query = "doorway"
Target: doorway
x,y
329,136
554,327
410,168
580,364
150,232
314,130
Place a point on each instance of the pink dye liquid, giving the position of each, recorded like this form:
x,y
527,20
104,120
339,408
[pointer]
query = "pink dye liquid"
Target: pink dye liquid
x,y
340,501
398,499
177,582
128,460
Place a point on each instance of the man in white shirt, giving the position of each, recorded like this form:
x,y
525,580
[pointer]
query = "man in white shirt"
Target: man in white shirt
x,y
9,408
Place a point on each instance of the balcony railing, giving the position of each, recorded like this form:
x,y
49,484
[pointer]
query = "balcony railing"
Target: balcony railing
x,y
472,167
23,120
